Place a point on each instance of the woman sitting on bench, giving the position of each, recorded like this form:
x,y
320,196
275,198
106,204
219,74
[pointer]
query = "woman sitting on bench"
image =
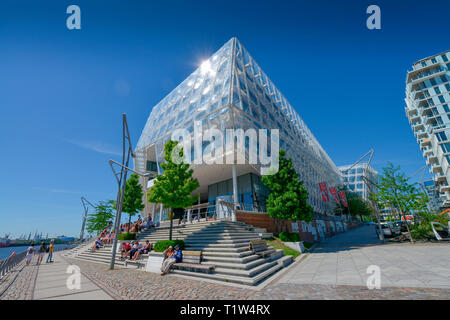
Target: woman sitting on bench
x,y
171,257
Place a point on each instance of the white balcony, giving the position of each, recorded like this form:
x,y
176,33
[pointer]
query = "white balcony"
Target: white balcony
x,y
425,142
421,134
414,118
444,188
439,178
431,159
427,151
418,126
435,168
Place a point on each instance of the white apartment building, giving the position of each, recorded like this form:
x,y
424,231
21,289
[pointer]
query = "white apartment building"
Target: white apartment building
x,y
428,111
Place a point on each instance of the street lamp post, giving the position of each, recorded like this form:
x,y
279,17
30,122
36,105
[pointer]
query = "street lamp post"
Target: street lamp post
x,y
123,173
85,204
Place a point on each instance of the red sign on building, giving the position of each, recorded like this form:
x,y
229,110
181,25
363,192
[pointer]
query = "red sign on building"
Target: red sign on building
x,y
333,192
343,198
323,188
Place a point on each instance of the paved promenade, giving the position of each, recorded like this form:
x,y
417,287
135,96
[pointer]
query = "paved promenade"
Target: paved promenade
x,y
344,259
336,270
51,283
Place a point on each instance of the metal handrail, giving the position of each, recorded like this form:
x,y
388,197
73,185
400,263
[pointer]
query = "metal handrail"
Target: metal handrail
x,y
15,258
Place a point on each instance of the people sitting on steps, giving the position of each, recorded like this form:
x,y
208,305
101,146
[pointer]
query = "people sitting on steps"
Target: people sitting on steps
x,y
144,250
135,247
126,248
171,256
97,245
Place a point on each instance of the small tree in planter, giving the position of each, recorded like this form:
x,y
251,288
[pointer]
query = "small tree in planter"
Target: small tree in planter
x,y
174,187
98,221
288,197
132,198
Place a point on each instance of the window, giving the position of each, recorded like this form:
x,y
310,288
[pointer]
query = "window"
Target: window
x,y
359,186
424,63
151,166
441,136
441,99
447,86
445,147
360,170
436,89
434,60
352,171
430,102
433,81
446,109
444,57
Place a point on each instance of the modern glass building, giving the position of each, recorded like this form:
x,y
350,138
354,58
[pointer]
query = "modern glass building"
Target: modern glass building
x,y
354,181
230,90
428,111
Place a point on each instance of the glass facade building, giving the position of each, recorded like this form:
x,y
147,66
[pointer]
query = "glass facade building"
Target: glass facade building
x,y
230,90
354,181
428,111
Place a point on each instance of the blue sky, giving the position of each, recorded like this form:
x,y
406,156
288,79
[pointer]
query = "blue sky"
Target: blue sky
x,y
62,92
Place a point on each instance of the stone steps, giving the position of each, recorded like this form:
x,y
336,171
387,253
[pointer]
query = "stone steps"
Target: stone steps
x,y
224,244
251,281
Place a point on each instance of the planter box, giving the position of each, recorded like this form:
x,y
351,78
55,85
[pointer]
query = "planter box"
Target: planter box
x,y
297,246
154,262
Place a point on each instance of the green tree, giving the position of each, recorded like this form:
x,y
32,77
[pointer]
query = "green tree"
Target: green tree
x,y
357,206
288,197
132,198
396,192
174,187
98,221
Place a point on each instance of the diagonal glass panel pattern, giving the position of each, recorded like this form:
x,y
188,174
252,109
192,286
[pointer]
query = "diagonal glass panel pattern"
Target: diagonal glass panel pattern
x,y
230,90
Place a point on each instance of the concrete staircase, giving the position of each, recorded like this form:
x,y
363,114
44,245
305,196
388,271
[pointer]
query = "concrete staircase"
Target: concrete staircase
x,y
224,244
103,255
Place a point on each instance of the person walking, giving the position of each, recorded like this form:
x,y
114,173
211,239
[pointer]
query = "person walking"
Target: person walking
x,y
51,248
41,252
31,251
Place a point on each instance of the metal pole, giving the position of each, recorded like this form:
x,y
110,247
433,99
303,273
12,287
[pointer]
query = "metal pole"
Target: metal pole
x,y
121,184
235,193
120,194
85,204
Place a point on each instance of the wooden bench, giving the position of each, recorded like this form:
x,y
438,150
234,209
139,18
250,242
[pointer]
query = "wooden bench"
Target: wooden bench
x,y
192,261
260,248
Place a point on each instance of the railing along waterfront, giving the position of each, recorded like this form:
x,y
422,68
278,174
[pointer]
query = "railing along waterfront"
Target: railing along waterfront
x,y
7,264
14,259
